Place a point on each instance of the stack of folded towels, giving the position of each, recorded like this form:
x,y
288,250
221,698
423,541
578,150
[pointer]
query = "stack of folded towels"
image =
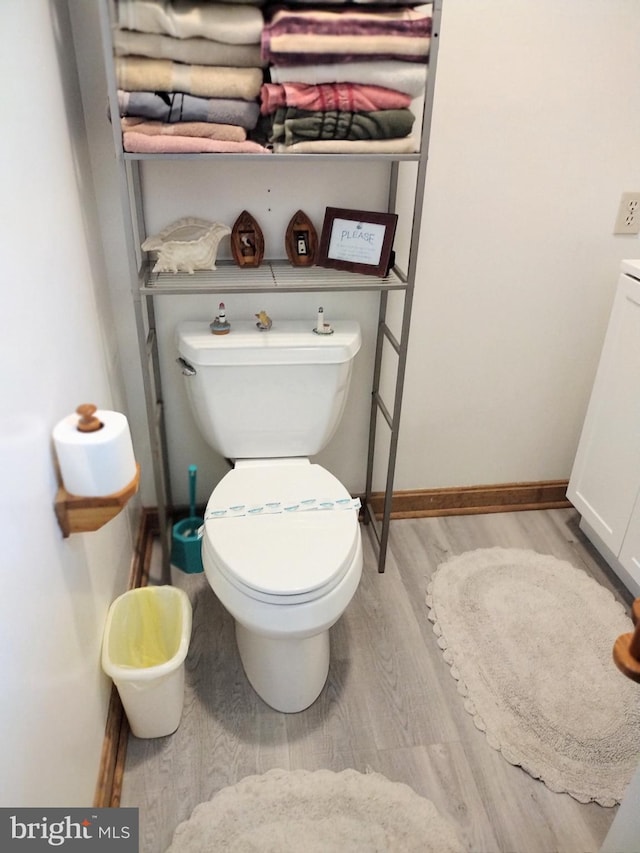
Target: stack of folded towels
x,y
343,76
189,75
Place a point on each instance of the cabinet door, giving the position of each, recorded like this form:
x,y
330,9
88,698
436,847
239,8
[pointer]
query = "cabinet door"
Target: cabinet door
x,y
606,474
630,554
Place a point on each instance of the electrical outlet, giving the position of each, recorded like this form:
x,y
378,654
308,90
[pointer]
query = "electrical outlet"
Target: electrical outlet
x,y
628,218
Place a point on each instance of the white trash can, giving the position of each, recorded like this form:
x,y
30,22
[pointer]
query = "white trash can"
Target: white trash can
x,y
145,643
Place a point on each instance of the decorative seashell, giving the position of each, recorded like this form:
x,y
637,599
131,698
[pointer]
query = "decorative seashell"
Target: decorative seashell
x,y
186,245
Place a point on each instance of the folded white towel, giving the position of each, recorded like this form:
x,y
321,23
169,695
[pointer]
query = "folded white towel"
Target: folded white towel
x,y
234,24
404,145
195,51
407,77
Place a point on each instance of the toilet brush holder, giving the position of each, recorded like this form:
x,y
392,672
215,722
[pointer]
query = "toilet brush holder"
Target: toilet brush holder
x,y
186,535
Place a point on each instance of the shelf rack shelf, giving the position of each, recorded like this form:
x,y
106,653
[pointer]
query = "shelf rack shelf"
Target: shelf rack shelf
x,y
271,276
127,156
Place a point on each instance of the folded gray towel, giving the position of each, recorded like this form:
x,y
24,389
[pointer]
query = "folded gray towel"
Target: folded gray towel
x,y
176,106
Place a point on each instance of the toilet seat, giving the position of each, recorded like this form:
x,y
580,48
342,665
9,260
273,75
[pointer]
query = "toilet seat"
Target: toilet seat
x,y
286,557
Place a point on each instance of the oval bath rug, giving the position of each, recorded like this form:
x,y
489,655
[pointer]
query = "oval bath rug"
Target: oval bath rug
x,y
288,811
529,639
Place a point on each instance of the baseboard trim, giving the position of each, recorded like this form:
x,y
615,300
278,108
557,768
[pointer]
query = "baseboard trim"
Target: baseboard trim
x,y
116,735
470,500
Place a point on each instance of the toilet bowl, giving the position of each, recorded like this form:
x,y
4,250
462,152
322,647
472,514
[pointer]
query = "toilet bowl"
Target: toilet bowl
x,y
285,574
281,548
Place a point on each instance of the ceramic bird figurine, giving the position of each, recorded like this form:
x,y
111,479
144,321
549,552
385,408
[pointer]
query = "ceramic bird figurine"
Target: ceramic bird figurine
x,y
264,321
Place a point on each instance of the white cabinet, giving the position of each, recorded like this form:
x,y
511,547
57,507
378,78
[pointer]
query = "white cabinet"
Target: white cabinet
x,y
605,481
630,551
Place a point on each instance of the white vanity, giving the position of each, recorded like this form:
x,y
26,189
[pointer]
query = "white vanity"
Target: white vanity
x,y
605,480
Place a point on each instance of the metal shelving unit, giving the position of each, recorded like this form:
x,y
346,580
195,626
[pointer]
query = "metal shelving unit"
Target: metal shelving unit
x,y
270,276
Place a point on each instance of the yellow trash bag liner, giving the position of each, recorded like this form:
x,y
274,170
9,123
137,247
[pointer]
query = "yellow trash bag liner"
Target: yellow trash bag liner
x,y
145,643
146,628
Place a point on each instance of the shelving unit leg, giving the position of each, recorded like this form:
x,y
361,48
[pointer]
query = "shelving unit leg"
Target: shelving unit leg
x,y
380,529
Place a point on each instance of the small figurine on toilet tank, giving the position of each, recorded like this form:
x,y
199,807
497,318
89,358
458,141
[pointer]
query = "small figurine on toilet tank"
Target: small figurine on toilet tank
x,y
322,328
220,325
264,321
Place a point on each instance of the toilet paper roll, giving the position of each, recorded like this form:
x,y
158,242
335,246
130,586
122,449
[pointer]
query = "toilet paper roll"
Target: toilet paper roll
x,y
95,464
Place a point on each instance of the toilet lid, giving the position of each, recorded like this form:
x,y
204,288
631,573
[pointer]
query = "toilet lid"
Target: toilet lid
x,y
286,554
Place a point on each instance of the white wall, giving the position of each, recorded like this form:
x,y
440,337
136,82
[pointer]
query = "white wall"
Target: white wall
x,y
536,132
57,349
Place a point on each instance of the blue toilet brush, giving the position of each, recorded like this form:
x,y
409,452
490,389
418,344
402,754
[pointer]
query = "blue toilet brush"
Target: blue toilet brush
x,y
186,538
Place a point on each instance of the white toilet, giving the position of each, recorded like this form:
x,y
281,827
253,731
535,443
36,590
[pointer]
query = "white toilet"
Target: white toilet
x,y
267,400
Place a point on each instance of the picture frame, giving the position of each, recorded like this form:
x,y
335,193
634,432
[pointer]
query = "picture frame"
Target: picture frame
x,y
357,240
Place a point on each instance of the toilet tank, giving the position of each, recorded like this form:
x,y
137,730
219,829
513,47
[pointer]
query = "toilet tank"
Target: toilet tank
x,y
260,394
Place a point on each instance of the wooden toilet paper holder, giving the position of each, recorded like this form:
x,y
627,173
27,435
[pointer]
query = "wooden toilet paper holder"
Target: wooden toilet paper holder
x,y
84,515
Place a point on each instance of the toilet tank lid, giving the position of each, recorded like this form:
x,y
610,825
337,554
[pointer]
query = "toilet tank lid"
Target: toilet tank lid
x,y
287,342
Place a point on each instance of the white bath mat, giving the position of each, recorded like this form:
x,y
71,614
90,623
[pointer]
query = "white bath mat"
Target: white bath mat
x,y
529,639
300,811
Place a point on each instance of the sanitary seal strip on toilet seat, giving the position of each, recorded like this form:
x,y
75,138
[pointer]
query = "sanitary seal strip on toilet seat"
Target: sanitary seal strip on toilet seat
x,y
276,507
280,557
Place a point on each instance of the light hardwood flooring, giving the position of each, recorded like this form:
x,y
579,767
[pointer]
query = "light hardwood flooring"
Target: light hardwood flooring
x,y
389,705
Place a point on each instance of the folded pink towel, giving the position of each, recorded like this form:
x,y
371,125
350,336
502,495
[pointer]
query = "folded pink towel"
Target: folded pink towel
x,y
141,143
203,129
352,97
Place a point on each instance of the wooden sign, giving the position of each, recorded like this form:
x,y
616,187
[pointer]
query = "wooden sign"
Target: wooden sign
x,y
357,240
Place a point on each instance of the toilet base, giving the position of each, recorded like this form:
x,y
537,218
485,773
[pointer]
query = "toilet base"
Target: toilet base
x,y
287,674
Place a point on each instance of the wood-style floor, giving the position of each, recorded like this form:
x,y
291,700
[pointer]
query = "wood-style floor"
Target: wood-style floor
x,y
389,704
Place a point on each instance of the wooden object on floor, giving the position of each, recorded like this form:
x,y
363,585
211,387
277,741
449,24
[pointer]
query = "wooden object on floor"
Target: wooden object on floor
x,y
84,515
301,241
626,650
247,241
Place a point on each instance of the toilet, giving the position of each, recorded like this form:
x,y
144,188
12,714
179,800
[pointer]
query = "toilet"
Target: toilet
x,y
281,548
